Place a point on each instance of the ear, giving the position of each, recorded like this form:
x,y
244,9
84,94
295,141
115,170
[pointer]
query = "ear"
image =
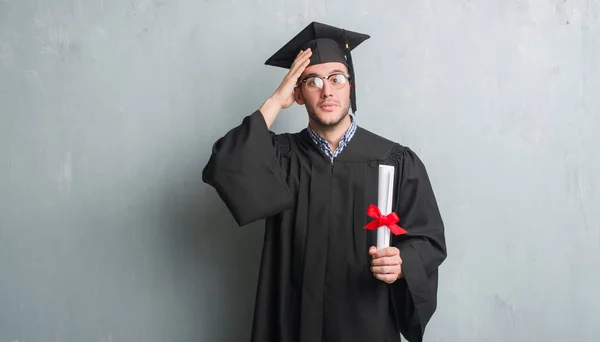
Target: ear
x,y
298,96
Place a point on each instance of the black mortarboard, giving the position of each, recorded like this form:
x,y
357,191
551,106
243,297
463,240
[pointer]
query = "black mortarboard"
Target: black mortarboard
x,y
328,44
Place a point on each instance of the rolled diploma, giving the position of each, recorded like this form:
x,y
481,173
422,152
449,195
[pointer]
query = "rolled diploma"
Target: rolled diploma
x,y
384,199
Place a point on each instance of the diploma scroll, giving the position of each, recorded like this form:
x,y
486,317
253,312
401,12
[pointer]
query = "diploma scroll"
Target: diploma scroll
x,y
384,202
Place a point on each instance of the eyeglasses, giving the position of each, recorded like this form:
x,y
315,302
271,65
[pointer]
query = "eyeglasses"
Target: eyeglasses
x,y
316,83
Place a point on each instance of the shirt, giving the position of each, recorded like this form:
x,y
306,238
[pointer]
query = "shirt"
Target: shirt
x,y
324,146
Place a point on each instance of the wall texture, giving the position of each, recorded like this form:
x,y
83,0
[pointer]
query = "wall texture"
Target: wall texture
x,y
108,110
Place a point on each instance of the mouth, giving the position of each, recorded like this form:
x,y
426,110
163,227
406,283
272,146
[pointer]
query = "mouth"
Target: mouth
x,y
328,106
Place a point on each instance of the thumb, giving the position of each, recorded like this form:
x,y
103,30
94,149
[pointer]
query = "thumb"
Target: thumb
x,y
372,250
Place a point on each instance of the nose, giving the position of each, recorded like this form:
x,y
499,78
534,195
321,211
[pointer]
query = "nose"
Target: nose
x,y
327,90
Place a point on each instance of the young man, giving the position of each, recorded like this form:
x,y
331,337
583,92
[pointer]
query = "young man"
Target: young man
x,y
321,278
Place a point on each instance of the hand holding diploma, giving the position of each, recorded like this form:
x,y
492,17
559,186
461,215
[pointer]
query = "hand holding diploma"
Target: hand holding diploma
x,y
386,263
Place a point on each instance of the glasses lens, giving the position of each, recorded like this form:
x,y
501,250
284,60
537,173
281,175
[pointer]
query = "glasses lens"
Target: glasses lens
x,y
338,81
314,83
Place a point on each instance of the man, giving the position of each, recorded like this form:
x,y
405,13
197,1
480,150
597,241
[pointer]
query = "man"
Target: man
x,y
321,278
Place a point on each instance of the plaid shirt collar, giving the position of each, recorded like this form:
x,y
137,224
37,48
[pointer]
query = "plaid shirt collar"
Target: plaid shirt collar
x,y
324,146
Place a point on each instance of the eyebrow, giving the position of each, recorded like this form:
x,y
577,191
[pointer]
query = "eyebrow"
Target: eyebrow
x,y
337,70
310,75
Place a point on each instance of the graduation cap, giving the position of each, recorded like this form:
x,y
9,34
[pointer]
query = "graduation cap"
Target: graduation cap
x,y
328,44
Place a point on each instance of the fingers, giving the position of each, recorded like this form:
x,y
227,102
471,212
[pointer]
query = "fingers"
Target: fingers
x,y
382,270
386,261
385,252
300,63
302,57
388,274
388,278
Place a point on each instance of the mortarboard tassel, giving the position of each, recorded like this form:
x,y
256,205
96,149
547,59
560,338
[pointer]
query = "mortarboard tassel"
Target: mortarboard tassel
x,y
352,76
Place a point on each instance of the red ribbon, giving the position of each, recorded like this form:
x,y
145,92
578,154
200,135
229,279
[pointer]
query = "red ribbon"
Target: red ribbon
x,y
381,220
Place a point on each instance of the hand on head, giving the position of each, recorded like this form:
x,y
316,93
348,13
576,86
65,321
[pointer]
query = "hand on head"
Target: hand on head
x,y
284,95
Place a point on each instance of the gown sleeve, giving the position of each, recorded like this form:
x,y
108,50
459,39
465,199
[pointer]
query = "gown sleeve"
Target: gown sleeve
x,y
245,169
422,249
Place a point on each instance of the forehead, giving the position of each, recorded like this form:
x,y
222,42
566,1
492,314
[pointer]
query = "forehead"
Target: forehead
x,y
324,69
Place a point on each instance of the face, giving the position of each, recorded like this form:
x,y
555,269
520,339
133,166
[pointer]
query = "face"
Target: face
x,y
328,106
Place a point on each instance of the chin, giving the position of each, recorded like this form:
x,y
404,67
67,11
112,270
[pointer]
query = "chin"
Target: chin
x,y
327,118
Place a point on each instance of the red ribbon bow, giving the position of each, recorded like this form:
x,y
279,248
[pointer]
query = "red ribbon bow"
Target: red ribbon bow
x,y
381,220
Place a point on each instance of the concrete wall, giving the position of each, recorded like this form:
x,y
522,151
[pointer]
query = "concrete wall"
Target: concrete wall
x,y
108,110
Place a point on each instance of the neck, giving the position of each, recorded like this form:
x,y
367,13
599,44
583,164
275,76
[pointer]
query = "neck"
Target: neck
x,y
332,134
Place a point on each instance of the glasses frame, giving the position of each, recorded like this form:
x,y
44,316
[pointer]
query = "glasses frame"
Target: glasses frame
x,y
325,78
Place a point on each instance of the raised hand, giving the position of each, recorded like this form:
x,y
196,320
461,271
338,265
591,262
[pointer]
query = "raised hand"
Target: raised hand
x,y
283,97
285,93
